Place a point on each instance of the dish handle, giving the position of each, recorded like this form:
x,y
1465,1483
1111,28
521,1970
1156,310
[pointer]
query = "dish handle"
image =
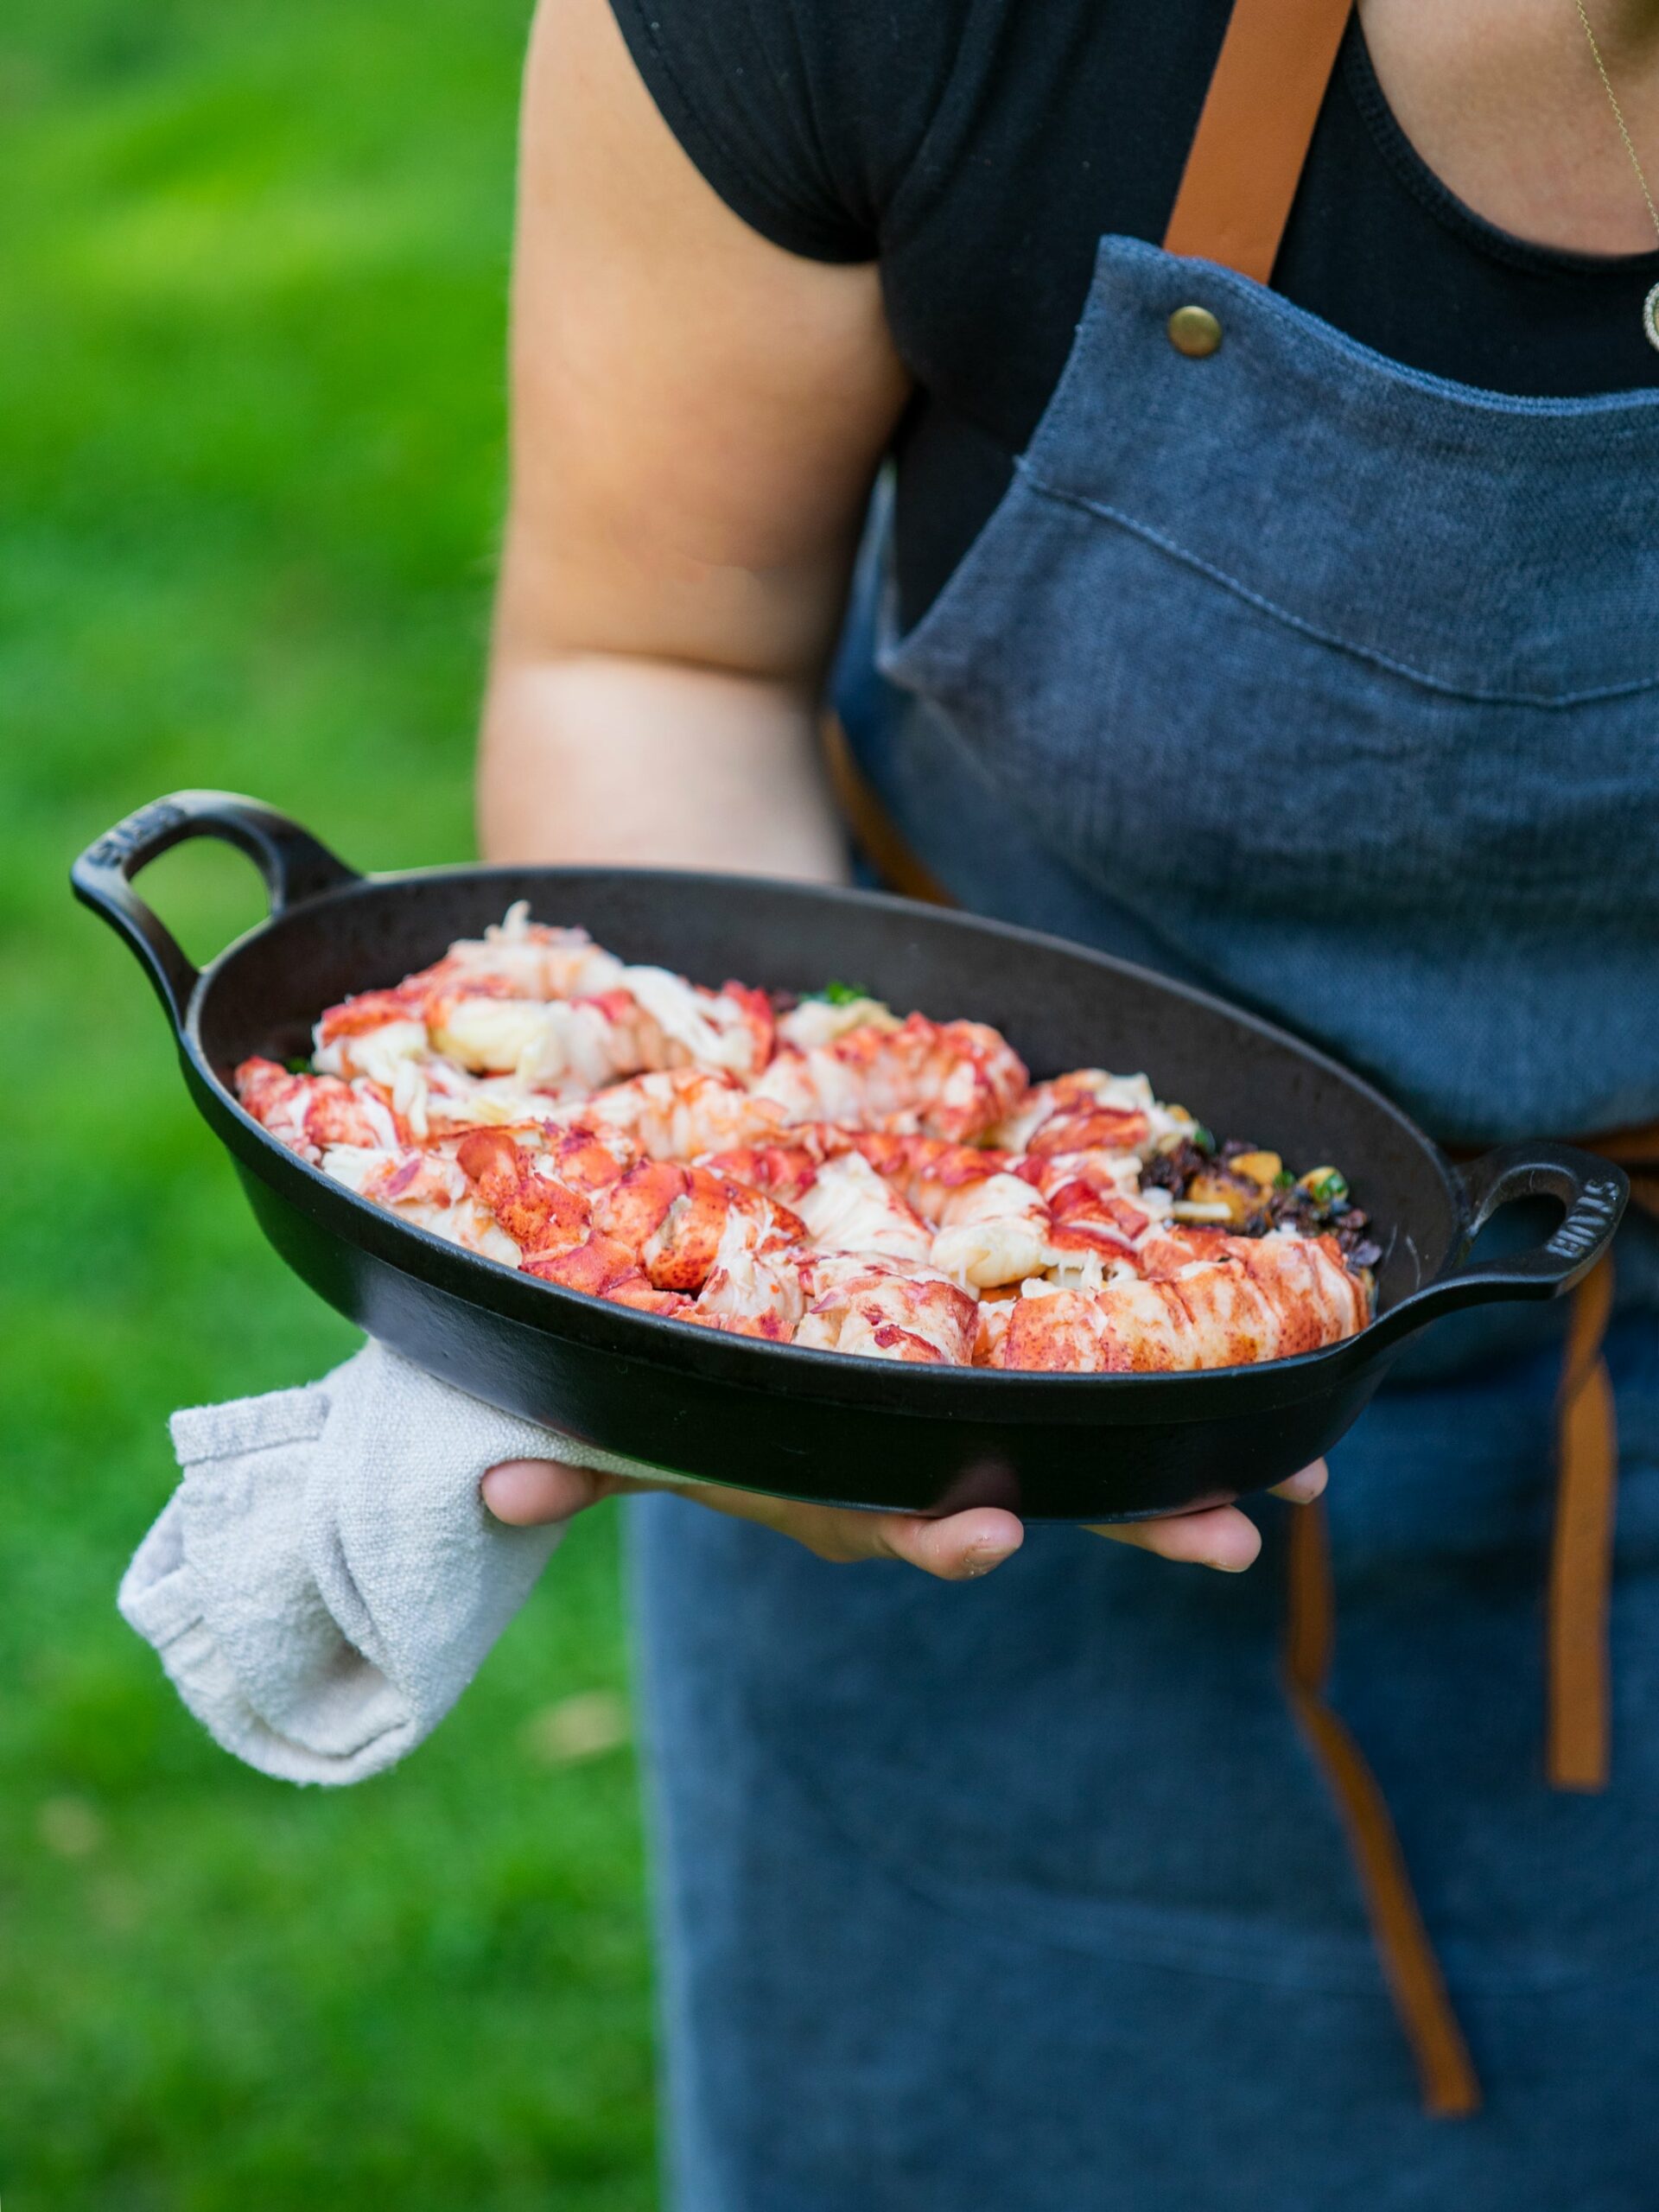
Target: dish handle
x,y
1593,1190
295,866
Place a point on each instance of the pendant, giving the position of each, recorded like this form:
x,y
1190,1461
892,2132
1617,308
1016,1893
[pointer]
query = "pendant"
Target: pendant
x,y
1650,317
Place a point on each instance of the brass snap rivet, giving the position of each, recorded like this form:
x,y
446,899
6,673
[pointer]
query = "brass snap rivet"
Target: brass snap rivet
x,y
1195,332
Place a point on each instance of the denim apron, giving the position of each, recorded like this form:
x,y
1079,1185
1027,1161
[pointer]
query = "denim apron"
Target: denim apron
x,y
1336,687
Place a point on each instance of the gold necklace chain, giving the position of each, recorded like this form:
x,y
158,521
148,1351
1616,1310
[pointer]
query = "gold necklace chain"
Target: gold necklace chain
x,y
1650,305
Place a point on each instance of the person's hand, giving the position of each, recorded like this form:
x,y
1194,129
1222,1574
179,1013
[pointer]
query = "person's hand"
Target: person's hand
x,y
530,1492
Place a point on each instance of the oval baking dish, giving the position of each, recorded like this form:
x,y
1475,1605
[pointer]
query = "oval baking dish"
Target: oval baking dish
x,y
812,1424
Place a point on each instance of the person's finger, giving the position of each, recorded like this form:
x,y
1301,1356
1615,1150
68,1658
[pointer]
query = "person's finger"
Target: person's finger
x,y
958,1548
527,1493
1303,1489
1221,1537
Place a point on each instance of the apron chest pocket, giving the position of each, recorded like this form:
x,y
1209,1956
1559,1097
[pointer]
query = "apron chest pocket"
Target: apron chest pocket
x,y
1314,630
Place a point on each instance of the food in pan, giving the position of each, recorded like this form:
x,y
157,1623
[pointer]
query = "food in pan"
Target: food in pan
x,y
816,1171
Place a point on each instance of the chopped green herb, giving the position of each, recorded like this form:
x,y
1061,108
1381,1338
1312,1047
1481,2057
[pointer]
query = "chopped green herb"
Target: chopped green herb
x,y
1325,1186
1284,1180
297,1066
1204,1140
840,993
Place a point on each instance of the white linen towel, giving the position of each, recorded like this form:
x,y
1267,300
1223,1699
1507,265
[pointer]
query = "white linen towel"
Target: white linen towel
x,y
326,1581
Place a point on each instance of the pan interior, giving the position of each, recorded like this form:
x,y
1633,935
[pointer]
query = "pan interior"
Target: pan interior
x,y
1060,1006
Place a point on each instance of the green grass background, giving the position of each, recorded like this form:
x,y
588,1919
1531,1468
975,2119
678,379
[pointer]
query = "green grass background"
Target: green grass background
x,y
253,274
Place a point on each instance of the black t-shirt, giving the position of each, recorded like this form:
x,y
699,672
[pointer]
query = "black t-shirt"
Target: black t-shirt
x,y
980,148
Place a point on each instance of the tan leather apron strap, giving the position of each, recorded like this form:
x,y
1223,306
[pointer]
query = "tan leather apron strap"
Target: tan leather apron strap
x,y
1634,1149
1581,1550
1248,153
1578,1751
867,818
1445,2069
1637,1151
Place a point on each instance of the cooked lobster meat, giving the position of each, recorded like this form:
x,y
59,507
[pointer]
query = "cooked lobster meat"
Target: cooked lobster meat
x,y
833,1176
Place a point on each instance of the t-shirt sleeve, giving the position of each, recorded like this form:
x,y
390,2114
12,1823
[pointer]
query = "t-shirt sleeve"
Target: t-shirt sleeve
x,y
802,114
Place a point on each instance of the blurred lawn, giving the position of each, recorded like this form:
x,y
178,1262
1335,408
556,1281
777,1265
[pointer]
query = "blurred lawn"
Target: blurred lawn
x,y
252,267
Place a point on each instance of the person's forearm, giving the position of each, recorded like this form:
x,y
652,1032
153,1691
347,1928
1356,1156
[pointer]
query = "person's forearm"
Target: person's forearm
x,y
610,758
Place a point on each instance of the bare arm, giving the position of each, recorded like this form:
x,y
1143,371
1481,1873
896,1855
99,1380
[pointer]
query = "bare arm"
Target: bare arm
x,y
697,417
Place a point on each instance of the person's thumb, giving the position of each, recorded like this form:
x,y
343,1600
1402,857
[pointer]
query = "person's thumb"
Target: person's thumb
x,y
528,1493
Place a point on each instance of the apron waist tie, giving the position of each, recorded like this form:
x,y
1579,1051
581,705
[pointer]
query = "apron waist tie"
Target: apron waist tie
x,y
1446,2072
1576,1734
1581,1573
1581,1547
871,827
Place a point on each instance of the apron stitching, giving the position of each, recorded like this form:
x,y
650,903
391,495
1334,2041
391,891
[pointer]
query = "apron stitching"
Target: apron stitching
x,y
1106,513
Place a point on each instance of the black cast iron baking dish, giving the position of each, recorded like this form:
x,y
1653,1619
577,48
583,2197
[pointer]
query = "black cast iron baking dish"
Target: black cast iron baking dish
x,y
809,1424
